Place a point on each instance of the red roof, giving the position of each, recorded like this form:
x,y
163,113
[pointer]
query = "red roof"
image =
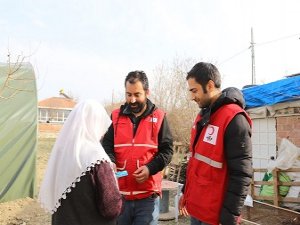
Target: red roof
x,y
57,103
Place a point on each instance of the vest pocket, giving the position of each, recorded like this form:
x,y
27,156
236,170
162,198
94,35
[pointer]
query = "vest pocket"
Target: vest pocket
x,y
152,183
121,166
200,171
201,195
200,186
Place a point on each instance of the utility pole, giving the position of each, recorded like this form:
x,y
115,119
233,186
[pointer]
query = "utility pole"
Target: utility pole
x,y
253,57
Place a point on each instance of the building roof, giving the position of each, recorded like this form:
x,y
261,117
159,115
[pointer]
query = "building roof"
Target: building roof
x,y
293,75
57,103
284,90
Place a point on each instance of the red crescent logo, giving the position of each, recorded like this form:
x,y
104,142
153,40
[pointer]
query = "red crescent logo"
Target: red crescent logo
x,y
212,130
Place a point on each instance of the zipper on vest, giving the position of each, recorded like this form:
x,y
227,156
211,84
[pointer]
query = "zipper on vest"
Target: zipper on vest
x,y
134,129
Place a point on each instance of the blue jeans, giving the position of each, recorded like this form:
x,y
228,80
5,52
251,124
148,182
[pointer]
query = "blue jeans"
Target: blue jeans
x,y
194,221
140,212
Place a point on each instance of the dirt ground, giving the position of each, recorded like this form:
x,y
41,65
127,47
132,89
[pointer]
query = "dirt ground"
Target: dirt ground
x,y
28,212
266,214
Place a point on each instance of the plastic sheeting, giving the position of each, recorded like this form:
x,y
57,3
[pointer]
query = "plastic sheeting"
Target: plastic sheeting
x,y
18,131
284,90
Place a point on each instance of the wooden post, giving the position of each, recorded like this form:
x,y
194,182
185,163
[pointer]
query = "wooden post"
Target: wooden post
x,y
252,185
275,185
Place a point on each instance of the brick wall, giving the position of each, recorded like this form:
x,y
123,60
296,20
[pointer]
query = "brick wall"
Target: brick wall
x,y
289,127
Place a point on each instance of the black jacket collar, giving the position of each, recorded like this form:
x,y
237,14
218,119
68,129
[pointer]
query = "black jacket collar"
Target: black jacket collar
x,y
229,95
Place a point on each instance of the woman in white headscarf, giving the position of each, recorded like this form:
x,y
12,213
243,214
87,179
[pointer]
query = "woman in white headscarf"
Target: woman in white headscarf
x,y
79,187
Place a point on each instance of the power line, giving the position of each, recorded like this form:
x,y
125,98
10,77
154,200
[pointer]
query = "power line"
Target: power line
x,y
258,44
231,57
278,39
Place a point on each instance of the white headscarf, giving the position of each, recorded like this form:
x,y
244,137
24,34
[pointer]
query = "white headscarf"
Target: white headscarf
x,y
76,150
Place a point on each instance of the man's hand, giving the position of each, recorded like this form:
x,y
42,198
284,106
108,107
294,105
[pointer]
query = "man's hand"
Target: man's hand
x,y
181,205
141,174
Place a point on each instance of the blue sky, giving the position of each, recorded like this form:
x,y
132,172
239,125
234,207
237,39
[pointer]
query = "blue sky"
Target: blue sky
x,y
88,47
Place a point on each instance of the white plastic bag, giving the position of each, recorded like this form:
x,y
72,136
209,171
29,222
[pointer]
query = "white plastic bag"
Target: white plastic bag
x,y
248,201
287,156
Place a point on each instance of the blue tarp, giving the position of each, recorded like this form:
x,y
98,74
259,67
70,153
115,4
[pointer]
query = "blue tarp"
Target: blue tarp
x,y
287,89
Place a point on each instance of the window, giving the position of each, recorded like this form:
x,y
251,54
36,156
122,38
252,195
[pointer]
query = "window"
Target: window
x,y
53,115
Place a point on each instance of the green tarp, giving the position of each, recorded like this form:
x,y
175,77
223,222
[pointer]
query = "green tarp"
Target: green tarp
x,y
268,190
18,131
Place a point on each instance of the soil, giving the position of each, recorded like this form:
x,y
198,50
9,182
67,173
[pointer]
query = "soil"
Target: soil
x,y
263,213
28,212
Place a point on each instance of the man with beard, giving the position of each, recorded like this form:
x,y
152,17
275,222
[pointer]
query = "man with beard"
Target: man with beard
x,y
140,143
220,165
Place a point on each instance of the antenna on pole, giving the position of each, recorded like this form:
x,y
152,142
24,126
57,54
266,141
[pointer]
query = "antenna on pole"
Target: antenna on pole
x,y
253,57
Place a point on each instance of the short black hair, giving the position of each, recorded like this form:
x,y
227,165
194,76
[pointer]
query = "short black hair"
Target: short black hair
x,y
138,75
203,72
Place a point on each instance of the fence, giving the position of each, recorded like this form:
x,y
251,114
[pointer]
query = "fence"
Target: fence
x,y
175,171
276,183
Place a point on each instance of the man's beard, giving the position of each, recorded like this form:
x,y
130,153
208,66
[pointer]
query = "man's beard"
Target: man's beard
x,y
139,106
204,104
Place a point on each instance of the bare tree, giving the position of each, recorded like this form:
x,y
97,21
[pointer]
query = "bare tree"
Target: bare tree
x,y
116,101
170,93
11,81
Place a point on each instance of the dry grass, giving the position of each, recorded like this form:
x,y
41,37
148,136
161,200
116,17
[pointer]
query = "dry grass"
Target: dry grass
x,y
27,211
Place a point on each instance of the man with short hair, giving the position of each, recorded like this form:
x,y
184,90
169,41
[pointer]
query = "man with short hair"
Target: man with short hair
x,y
219,170
140,143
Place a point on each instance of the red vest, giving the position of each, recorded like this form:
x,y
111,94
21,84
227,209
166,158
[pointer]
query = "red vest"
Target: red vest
x,y
207,168
131,152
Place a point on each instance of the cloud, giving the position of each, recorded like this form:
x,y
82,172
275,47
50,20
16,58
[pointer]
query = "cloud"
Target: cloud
x,y
39,23
84,74
89,47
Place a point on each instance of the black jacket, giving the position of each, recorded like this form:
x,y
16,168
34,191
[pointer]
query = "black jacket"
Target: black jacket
x,y
165,139
238,153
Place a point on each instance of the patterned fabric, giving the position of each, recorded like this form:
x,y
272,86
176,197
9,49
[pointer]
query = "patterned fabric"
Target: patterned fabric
x,y
88,204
